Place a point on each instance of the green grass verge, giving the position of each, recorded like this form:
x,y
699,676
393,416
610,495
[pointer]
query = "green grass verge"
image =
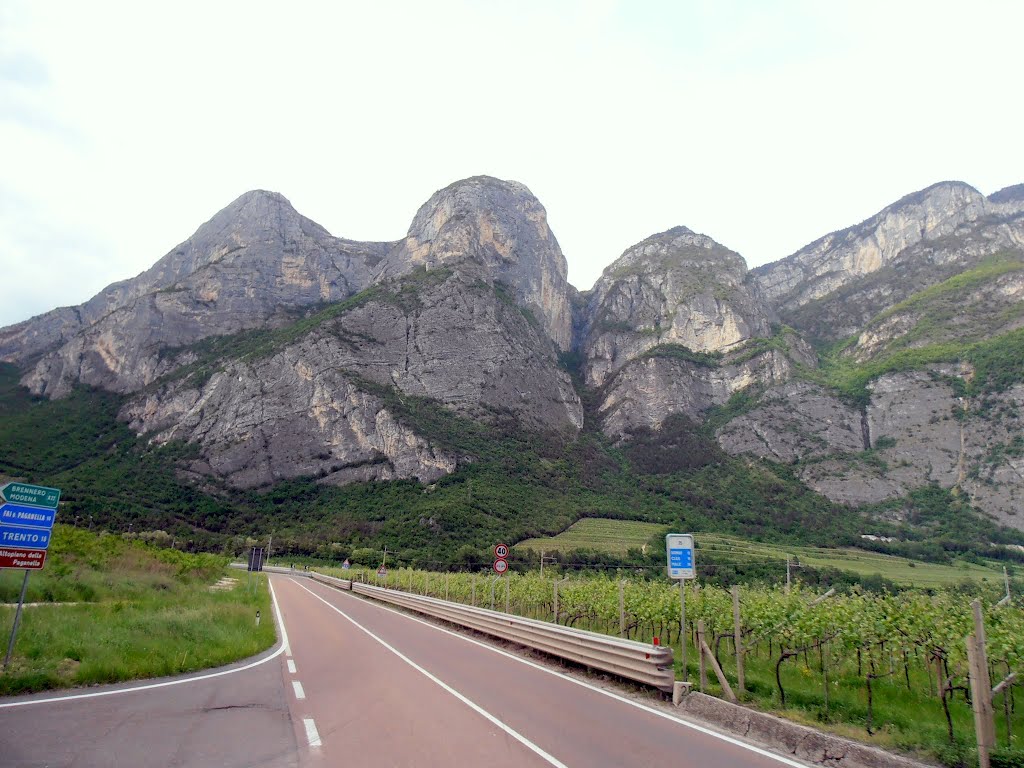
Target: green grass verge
x,y
115,610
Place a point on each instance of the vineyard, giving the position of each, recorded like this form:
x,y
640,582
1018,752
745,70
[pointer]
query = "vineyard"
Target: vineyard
x,y
889,667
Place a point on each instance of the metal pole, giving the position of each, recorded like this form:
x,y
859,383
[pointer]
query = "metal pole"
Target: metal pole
x,y
472,600
682,625
787,574
17,620
508,582
270,543
492,593
556,601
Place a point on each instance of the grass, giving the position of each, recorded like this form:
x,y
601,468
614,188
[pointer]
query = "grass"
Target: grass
x,y
114,610
619,536
615,537
901,570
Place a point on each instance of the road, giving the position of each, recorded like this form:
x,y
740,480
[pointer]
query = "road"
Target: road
x,y
355,682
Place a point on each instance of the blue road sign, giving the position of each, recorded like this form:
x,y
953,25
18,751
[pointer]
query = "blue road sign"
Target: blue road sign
x,y
679,547
24,538
37,517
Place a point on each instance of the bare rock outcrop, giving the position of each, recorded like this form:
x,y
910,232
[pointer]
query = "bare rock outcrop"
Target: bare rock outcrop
x,y
253,263
311,407
499,229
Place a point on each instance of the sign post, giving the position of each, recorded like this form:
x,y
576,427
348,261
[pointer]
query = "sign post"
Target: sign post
x,y
27,515
682,566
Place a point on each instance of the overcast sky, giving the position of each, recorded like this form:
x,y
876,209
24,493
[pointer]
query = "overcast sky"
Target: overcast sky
x,y
124,126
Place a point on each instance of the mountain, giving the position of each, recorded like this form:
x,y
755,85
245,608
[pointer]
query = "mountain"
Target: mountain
x,y
265,355
252,264
671,327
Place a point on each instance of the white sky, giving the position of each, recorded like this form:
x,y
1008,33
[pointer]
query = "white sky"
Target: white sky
x,y
124,126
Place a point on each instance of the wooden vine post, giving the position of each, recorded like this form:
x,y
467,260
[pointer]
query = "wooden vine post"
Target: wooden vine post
x,y
982,692
738,640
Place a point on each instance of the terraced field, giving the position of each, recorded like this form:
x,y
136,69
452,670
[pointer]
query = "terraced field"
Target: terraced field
x,y
612,536
618,536
898,569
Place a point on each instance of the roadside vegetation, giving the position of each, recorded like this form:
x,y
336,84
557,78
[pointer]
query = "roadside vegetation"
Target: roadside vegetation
x,y
108,609
880,667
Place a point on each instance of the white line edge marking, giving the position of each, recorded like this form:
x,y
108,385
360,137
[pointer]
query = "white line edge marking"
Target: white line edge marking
x,y
297,687
472,705
312,734
700,728
291,667
150,686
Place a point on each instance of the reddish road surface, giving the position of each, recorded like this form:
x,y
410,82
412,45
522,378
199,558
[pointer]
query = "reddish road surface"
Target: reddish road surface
x,y
356,683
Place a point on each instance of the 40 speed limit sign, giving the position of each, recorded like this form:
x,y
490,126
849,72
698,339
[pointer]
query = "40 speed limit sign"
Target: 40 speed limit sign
x,y
500,563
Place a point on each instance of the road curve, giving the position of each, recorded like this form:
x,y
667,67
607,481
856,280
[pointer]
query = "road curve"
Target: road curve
x,y
356,682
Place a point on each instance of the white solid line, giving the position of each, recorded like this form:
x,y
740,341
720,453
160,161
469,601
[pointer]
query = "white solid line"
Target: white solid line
x,y
299,693
151,686
312,735
583,684
291,667
475,707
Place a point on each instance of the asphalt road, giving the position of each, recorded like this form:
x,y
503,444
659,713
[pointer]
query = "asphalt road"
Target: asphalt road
x,y
356,683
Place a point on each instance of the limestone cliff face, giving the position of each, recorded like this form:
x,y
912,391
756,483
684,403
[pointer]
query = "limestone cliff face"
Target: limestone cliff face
x,y
677,287
915,431
670,328
250,265
946,222
257,425
651,388
499,230
976,305
310,408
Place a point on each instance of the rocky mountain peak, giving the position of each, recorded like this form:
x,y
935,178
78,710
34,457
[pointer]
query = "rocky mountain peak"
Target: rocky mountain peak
x,y
498,230
1013,194
679,248
677,288
839,258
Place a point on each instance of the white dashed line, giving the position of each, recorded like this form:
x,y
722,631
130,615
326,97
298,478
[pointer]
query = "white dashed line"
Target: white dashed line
x,y
311,733
291,667
299,693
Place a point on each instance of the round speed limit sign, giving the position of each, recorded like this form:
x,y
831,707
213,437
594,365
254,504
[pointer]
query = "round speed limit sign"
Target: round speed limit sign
x,y
501,551
500,565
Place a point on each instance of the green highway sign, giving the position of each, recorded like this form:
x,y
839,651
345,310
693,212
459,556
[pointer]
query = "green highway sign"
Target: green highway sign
x,y
36,495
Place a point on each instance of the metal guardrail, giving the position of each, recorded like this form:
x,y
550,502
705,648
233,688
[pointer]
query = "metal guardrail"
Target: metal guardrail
x,y
643,663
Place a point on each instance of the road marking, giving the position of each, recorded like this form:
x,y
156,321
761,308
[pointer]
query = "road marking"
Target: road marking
x,y
312,735
581,683
150,686
475,707
291,666
299,693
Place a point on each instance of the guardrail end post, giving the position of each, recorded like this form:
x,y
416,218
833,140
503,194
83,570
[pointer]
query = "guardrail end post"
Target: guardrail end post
x,y
679,691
